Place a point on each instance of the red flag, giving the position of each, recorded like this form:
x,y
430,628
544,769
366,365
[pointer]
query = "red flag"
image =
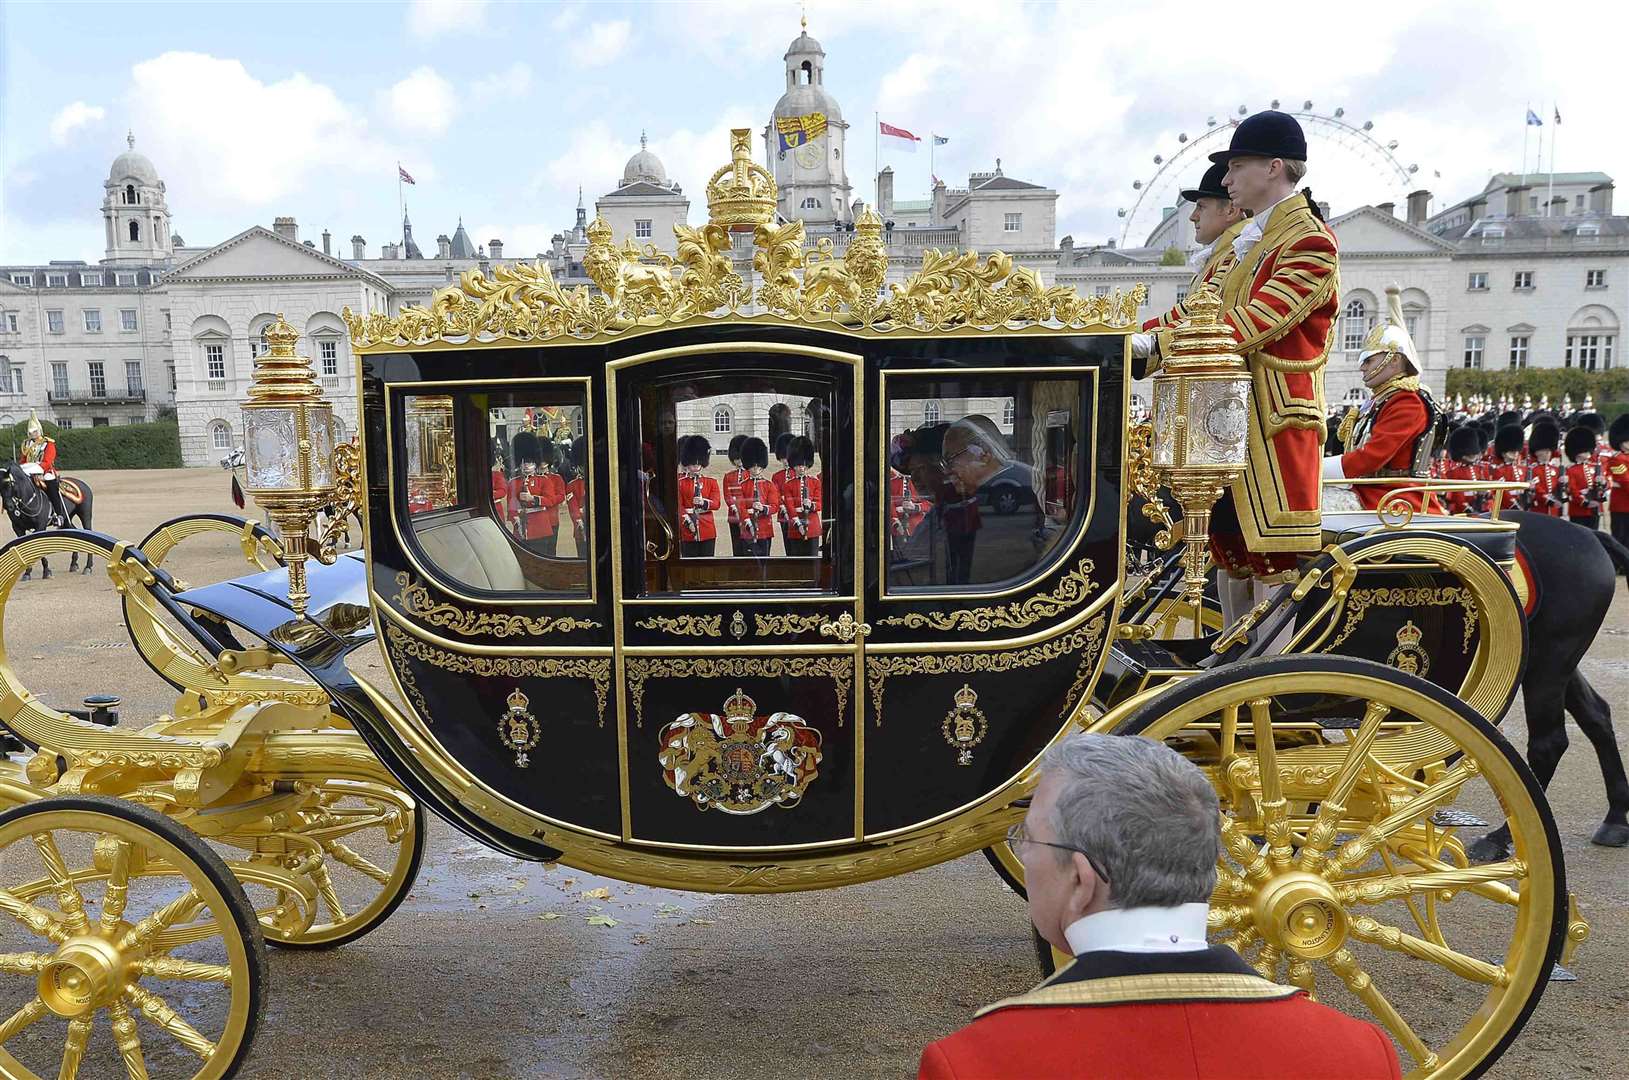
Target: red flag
x,y
403,176
897,132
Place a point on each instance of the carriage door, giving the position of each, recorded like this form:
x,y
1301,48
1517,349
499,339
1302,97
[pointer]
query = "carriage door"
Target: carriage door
x,y
739,627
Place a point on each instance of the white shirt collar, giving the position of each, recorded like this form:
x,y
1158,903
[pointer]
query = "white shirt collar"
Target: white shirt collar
x,y
1202,256
1256,227
1141,929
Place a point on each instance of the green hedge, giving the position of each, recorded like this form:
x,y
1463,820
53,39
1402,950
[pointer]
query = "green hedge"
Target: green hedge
x,y
123,446
1609,388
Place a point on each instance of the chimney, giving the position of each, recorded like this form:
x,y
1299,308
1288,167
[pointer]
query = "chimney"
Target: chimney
x,y
1323,209
359,248
885,191
1515,197
387,251
1111,243
443,247
1479,209
327,238
1387,208
494,247
1600,198
286,228
1419,204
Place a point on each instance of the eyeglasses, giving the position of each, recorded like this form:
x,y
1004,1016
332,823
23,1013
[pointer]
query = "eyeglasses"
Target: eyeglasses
x,y
944,462
1017,838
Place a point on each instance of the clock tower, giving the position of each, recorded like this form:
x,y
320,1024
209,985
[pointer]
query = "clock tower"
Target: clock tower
x,y
812,177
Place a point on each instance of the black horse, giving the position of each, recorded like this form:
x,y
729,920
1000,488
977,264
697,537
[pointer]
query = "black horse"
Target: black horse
x,y
30,510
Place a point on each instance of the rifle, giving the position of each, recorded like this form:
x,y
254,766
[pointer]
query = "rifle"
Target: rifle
x,y
749,514
692,518
801,520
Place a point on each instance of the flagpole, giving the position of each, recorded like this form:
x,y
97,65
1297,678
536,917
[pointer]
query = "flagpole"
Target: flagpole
x,y
1527,133
1550,194
401,205
933,141
876,159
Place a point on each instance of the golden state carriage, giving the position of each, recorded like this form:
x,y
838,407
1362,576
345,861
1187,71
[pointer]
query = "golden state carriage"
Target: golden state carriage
x,y
768,707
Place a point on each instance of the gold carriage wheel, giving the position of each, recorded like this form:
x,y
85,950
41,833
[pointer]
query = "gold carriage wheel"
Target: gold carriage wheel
x,y
1365,819
344,811
111,892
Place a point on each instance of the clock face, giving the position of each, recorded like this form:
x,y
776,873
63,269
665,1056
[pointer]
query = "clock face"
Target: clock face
x,y
808,155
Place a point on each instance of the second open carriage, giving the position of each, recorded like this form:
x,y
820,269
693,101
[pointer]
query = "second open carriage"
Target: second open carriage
x,y
863,693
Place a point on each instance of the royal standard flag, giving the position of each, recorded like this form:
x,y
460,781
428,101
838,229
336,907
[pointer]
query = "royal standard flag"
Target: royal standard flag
x,y
795,131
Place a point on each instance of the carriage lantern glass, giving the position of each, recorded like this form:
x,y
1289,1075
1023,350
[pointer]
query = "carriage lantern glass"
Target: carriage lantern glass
x,y
1201,425
288,448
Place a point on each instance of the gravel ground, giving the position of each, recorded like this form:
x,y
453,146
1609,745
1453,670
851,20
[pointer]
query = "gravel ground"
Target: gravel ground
x,y
472,978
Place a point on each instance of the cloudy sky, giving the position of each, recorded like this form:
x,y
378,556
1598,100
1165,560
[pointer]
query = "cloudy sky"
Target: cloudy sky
x,y
500,110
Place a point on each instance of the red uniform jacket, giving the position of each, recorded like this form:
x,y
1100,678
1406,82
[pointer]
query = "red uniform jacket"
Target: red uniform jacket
x,y
754,490
47,459
500,493
801,524
1580,475
900,491
1387,436
1547,484
1463,502
1217,263
576,503
538,518
732,489
1617,474
1516,472
1084,1024
707,488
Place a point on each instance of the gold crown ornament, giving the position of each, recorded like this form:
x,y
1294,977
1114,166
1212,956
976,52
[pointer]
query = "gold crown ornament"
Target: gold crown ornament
x,y
1409,635
966,697
518,700
740,707
742,194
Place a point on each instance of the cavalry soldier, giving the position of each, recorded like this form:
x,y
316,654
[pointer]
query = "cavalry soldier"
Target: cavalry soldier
x,y
1585,487
38,457
1216,221
800,499
1512,468
699,499
732,487
1280,299
536,494
1617,472
757,500
1549,482
1464,463
1394,432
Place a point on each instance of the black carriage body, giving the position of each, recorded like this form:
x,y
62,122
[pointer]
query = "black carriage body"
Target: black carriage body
x,y
556,688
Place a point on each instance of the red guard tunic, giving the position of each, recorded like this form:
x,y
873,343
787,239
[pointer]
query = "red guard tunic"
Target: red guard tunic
x,y
538,517
696,522
1280,302
576,505
1580,477
904,522
752,491
1465,502
802,522
500,493
43,452
1617,472
1548,494
732,489
1513,472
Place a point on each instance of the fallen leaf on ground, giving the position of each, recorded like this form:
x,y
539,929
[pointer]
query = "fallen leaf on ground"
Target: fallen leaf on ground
x,y
547,915
596,894
600,920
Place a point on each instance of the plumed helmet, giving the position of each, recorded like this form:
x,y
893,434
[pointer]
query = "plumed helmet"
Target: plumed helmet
x,y
1507,438
1592,420
800,451
695,450
1544,436
734,452
781,442
1464,443
527,447
34,429
1580,441
1618,433
754,454
1391,336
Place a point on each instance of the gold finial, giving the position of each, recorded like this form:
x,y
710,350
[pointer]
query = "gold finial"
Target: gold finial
x,y
1203,341
280,374
742,193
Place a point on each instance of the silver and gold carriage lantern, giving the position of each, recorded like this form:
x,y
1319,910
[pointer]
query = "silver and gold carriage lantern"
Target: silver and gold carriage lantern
x,y
288,448
1201,426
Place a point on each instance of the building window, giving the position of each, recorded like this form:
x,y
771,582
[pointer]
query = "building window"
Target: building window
x,y
11,322
125,281
25,280
810,203
135,232
93,321
1357,325
1592,352
127,318
170,369
11,378
1532,203
98,378
723,420
328,353
1012,223
1100,290
1181,295
98,421
1479,281
215,359
641,228
130,195
930,412
1518,350
1009,412
1578,206
64,422
1595,279
53,321
90,277
132,377
220,435
59,379
1474,344
56,281
1589,233
1524,279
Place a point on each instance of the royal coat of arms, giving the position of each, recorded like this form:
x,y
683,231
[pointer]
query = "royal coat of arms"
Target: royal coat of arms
x,y
740,762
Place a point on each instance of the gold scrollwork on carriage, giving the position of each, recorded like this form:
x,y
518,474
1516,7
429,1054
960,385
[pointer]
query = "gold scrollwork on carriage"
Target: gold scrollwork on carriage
x,y
1084,642
596,668
783,625
638,670
1359,601
1072,590
684,625
415,599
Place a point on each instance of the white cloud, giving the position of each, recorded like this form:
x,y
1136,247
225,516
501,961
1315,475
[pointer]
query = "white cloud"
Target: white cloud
x,y
436,18
594,154
603,43
72,117
513,82
423,103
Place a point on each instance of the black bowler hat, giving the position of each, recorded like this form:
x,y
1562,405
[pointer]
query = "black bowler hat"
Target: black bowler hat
x,y
1268,134
1210,187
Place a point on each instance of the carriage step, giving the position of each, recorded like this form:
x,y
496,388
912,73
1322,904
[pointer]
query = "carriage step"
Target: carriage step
x,y
1338,723
1449,818
100,709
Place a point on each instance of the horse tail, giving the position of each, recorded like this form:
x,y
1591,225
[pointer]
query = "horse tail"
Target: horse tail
x,y
1616,551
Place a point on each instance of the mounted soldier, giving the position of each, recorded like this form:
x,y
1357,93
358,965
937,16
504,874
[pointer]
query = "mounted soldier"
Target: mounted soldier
x,y
38,457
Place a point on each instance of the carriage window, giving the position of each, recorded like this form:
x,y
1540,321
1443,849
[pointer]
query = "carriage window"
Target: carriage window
x,y
736,487
986,476
497,488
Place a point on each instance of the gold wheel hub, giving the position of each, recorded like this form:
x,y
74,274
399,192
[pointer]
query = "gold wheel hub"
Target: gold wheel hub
x,y
85,974
1300,913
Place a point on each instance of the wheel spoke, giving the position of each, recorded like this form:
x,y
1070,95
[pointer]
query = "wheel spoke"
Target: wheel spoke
x,y
357,862
1390,937
22,1018
1230,886
1301,975
73,1048
1496,891
1355,851
23,963
69,901
1266,962
1350,972
1321,834
170,940
1379,890
36,918
159,1012
326,890
1238,845
1275,815
117,894
168,967
181,908
1243,939
128,1040
1228,917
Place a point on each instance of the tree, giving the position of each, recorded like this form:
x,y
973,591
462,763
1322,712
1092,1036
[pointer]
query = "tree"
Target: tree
x,y
1173,256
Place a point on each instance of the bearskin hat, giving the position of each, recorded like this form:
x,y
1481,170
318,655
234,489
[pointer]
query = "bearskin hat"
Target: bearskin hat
x,y
734,452
1618,433
579,452
1592,420
1544,436
800,451
1580,441
781,442
695,450
527,447
1464,443
1507,438
754,454
1509,417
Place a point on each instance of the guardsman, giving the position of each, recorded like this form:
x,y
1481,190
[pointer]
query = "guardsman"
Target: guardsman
x,y
1549,482
1617,475
1280,299
757,499
536,494
782,473
38,457
577,494
1465,463
500,484
732,487
1393,434
1512,468
1216,221
1585,491
699,498
800,499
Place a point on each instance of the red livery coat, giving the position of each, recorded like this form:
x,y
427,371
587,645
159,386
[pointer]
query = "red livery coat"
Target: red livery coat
x,y
45,456
796,490
1216,266
752,491
690,487
539,516
1089,1025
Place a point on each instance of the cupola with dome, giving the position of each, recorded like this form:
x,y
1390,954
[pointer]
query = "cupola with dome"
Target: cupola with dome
x,y
644,167
646,204
812,175
134,214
